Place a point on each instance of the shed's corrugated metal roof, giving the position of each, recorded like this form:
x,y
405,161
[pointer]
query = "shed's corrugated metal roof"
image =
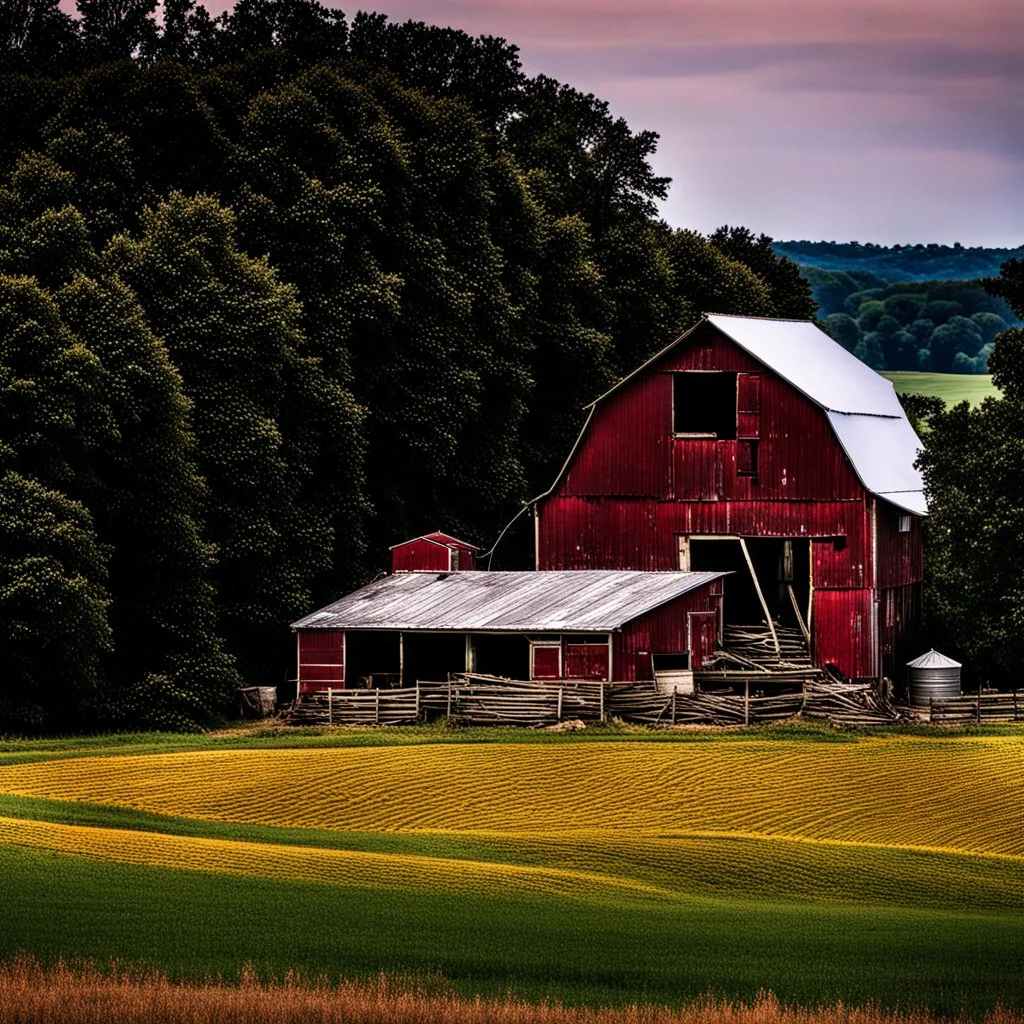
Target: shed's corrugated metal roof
x,y
933,660
581,601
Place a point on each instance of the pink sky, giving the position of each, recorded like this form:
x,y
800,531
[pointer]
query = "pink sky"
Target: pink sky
x,y
878,120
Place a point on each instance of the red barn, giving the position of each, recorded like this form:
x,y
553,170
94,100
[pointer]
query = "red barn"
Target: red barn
x,y
762,447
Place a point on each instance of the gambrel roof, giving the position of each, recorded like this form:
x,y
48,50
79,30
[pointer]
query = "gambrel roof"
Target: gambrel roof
x,y
861,405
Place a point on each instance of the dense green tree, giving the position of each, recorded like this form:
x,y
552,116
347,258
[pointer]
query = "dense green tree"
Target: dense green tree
x,y
146,498
790,292
844,329
971,466
707,281
54,634
1009,285
117,29
231,328
590,163
37,37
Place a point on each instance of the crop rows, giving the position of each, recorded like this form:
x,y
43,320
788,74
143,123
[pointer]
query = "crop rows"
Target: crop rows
x,y
333,867
962,795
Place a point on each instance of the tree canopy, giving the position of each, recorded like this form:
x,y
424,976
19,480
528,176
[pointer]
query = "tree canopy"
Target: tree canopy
x,y
279,288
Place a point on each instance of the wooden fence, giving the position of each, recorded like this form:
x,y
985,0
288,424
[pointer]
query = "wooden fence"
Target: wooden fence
x,y
489,700
979,708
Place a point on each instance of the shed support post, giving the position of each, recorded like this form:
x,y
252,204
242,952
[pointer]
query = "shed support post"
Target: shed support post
x,y
760,597
601,693
746,702
401,659
417,700
559,703
376,706
674,693
330,705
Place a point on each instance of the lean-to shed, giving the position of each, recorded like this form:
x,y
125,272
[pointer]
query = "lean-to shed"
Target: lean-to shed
x,y
595,625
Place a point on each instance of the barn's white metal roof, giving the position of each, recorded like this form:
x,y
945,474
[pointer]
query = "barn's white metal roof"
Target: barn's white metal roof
x,y
523,602
803,354
882,450
861,405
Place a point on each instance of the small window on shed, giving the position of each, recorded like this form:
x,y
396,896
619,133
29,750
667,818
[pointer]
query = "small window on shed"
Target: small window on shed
x,y
904,524
704,405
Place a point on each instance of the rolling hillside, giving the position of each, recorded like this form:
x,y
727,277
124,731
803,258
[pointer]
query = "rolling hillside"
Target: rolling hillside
x,y
601,872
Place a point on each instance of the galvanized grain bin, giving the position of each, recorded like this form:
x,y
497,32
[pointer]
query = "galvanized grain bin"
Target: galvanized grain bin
x,y
933,675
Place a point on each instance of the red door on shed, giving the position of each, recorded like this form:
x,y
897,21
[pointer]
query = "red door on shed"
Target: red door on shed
x,y
703,636
546,661
587,661
321,660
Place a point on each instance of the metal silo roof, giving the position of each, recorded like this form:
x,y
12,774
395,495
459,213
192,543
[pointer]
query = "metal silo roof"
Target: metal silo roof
x,y
933,660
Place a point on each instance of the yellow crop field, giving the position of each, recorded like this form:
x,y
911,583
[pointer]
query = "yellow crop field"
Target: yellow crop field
x,y
879,868
333,867
959,796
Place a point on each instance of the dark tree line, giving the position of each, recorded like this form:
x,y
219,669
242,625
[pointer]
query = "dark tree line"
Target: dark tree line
x,y
972,469
277,290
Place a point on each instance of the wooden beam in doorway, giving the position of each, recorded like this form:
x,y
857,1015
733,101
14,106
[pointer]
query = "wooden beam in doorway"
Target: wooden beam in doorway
x,y
760,597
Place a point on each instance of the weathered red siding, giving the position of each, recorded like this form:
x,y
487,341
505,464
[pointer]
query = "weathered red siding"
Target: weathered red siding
x,y
662,631
420,554
585,661
632,488
841,625
321,659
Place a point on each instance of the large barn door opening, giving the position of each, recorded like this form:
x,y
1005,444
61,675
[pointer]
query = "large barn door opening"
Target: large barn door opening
x,y
781,566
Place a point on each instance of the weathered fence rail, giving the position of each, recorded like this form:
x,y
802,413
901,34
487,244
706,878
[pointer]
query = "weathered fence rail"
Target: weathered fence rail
x,y
979,708
489,700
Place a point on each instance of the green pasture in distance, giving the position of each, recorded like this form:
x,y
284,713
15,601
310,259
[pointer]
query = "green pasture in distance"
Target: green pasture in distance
x,y
952,388
197,924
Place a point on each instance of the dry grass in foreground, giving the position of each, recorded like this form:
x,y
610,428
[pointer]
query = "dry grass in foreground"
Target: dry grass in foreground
x,y
32,994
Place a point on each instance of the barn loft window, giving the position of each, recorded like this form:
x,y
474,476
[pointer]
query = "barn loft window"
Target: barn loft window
x,y
704,405
904,524
746,458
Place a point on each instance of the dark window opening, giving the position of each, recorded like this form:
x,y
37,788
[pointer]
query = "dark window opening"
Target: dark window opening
x,y
704,405
904,524
746,458
675,662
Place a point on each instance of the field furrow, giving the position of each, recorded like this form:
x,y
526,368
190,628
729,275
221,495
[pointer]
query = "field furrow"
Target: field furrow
x,y
962,795
331,867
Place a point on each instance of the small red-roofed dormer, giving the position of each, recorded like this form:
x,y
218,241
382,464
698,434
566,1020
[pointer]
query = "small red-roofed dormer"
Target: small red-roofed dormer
x,y
433,552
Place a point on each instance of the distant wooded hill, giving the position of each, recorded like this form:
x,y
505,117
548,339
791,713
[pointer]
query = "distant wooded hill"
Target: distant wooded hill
x,y
901,262
907,307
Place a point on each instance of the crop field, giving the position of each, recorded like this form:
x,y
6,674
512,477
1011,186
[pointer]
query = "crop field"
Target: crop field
x,y
952,388
884,870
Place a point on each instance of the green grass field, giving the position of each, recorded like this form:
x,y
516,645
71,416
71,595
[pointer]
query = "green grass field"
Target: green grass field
x,y
628,867
952,388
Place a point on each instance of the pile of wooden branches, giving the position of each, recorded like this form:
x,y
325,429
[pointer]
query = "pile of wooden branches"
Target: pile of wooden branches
x,y
755,655
356,707
849,704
